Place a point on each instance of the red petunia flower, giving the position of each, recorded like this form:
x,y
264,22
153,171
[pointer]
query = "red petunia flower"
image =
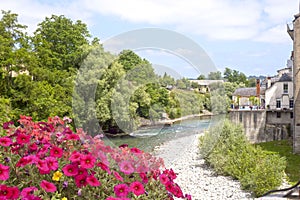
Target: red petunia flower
x,y
81,181
47,186
4,172
121,190
15,192
5,141
144,178
70,170
23,138
56,152
104,167
5,192
137,188
87,161
136,150
93,181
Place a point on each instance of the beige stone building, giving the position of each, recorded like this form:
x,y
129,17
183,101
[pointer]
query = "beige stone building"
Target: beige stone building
x,y
294,33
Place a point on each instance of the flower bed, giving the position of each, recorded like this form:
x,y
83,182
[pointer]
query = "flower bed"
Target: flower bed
x,y
47,160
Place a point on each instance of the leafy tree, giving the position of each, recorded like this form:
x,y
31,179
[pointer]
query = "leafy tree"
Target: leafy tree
x,y
235,76
129,59
215,76
14,50
58,42
201,77
167,80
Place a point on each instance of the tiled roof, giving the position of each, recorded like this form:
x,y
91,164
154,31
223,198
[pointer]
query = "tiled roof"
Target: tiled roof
x,y
245,92
285,77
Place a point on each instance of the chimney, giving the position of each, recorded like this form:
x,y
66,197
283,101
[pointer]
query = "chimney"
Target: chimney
x,y
268,82
258,88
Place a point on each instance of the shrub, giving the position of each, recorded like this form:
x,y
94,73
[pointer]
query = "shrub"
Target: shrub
x,y
47,160
227,150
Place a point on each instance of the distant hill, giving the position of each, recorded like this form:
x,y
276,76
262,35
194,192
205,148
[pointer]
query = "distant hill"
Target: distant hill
x,y
261,77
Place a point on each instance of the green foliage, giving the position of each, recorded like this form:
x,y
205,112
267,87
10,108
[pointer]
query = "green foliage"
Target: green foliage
x,y
58,41
235,76
227,150
201,77
215,76
285,149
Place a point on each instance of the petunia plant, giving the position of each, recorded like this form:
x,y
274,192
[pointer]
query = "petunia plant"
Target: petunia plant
x,y
47,160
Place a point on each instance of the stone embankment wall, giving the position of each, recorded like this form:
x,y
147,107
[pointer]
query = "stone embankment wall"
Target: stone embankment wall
x,y
257,126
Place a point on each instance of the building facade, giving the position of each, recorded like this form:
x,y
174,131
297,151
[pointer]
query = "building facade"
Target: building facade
x,y
294,33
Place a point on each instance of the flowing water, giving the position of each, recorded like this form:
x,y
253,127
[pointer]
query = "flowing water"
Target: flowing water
x,y
150,137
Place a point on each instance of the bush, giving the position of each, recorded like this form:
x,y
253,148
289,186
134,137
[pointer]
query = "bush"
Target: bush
x,y
227,150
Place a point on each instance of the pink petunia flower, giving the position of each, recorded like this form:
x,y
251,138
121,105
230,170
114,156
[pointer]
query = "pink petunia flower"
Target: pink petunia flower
x,y
137,188
15,192
121,190
81,181
4,172
70,170
87,161
5,141
47,186
42,166
52,163
104,167
5,192
118,176
28,191
144,178
82,171
93,181
164,179
116,198
26,160
72,137
33,147
56,152
23,138
75,156
126,167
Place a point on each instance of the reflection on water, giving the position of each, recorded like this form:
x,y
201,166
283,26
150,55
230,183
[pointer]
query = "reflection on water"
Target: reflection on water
x,y
147,138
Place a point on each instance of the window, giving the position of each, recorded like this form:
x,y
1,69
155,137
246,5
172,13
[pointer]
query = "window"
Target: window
x,y
278,103
292,115
291,103
278,114
285,88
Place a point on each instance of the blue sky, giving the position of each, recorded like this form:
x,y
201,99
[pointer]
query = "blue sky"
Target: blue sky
x,y
246,35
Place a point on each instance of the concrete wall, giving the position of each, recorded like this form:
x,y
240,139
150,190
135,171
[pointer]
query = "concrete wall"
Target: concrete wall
x,y
256,127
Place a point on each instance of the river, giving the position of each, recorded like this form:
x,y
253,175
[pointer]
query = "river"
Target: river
x,y
150,137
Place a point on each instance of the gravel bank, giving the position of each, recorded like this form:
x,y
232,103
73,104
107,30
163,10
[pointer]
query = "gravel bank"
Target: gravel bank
x,y
194,176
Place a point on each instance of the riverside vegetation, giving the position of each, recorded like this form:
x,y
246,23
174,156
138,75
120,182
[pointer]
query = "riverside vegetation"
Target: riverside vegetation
x,y
227,150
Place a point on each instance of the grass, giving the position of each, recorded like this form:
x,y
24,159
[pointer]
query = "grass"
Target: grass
x,y
284,148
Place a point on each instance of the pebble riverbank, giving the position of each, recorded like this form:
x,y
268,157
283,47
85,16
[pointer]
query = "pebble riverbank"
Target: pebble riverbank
x,y
194,176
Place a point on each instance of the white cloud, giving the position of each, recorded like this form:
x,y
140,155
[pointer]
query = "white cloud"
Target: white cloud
x,y
276,34
258,20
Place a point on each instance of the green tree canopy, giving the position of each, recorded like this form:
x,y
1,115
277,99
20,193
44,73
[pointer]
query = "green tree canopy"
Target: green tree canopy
x,y
215,75
58,42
